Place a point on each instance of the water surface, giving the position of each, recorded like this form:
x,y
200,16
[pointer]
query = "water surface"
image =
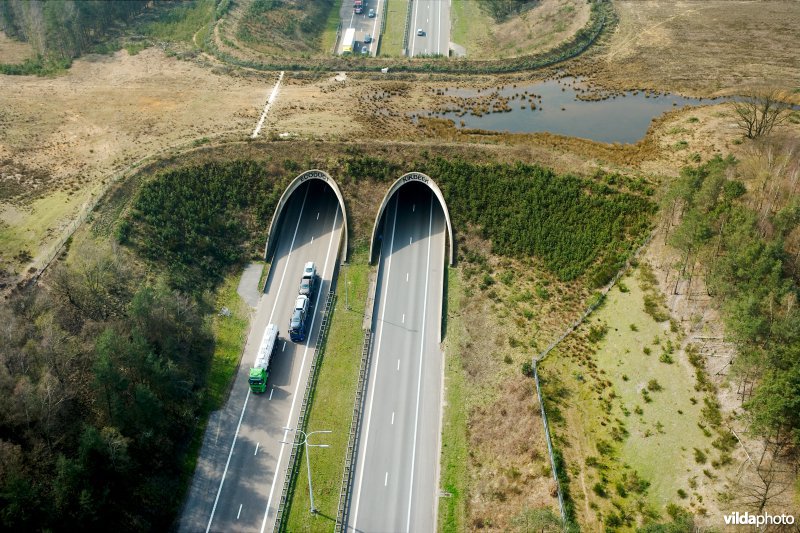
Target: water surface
x,y
623,118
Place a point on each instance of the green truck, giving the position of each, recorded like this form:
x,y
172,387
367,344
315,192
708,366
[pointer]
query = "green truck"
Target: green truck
x,y
260,372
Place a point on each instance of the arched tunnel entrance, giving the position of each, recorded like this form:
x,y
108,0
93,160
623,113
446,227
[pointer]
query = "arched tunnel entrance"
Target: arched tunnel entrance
x,y
416,185
404,385
306,191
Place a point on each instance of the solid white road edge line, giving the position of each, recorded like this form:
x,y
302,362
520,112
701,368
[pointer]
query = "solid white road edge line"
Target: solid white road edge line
x,y
302,366
413,30
377,359
421,355
241,416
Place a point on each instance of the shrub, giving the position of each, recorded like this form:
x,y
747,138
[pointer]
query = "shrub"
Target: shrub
x,y
527,369
699,456
597,332
600,490
654,385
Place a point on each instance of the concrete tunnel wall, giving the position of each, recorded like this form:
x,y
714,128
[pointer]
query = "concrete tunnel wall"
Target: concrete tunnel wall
x,y
297,182
404,179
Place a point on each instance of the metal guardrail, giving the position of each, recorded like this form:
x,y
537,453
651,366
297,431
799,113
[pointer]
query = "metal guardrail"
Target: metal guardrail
x,y
294,458
408,26
384,15
355,426
338,36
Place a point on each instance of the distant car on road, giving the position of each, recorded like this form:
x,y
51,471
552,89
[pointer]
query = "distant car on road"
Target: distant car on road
x,y
420,32
371,13
367,39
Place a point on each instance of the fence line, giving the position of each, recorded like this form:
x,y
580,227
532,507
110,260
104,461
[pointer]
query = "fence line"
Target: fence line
x,y
355,426
290,481
408,26
544,353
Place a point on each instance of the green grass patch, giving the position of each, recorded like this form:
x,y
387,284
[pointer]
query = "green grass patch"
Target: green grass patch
x,y
392,40
25,229
230,334
453,507
470,23
328,39
332,403
179,22
663,428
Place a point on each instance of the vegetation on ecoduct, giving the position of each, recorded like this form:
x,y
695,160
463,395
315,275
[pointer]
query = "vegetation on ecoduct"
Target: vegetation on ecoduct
x,y
570,223
196,222
747,245
500,10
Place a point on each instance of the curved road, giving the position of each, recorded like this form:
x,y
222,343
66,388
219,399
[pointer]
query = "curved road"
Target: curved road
x,y
240,472
396,478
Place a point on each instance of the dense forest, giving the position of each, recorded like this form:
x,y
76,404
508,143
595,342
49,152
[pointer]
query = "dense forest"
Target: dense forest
x,y
745,243
61,30
101,379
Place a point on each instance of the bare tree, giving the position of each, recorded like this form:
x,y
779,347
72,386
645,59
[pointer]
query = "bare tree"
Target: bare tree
x,y
775,472
760,110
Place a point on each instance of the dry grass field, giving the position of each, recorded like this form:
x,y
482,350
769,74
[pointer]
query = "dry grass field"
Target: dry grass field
x,y
62,138
13,51
700,47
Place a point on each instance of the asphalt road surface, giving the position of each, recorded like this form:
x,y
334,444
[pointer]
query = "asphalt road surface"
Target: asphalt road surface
x,y
239,477
363,24
397,466
433,18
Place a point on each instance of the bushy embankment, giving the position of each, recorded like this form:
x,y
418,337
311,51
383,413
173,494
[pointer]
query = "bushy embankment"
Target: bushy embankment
x,y
524,210
746,242
285,24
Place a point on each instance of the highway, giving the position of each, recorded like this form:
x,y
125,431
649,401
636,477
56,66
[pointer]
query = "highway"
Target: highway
x,y
363,24
433,18
239,477
396,478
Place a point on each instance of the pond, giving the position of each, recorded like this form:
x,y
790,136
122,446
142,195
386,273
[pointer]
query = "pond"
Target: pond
x,y
565,106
